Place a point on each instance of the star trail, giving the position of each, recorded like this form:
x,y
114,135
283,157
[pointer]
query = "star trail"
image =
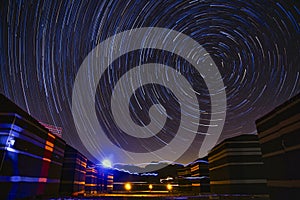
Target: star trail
x,y
254,44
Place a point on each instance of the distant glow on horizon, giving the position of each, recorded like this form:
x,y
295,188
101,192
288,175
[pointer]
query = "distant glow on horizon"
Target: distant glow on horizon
x,y
106,163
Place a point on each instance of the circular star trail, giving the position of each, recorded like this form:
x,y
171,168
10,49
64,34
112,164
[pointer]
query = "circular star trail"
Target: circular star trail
x,y
254,44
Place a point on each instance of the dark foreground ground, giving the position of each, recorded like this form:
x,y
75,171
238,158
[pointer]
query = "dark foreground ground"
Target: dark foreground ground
x,y
164,197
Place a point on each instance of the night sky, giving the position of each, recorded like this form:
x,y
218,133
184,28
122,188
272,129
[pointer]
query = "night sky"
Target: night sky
x,y
254,44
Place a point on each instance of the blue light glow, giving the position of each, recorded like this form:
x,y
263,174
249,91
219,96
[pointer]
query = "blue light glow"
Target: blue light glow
x,y
106,163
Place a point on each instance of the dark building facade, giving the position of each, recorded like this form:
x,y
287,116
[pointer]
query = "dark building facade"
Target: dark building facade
x,y
200,176
279,136
31,157
194,178
184,184
73,172
236,167
98,179
91,179
108,181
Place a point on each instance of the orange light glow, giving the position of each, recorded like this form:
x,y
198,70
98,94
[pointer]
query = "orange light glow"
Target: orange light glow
x,y
127,186
48,148
169,187
47,159
150,187
43,180
49,144
49,134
